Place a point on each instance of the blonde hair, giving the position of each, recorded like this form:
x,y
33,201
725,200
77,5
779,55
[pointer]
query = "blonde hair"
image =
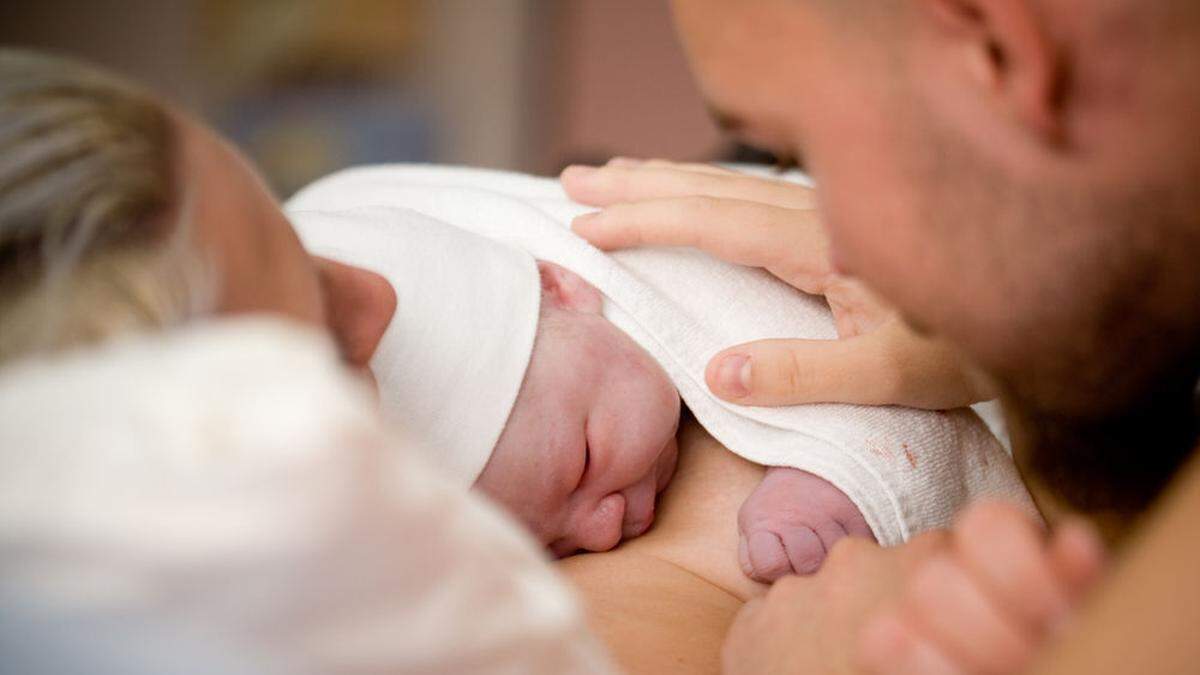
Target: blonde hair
x,y
93,236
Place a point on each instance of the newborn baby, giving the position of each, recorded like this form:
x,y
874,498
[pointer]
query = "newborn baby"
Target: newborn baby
x,y
590,443
560,397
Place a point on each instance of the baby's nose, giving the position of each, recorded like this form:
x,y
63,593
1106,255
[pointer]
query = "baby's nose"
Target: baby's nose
x,y
600,529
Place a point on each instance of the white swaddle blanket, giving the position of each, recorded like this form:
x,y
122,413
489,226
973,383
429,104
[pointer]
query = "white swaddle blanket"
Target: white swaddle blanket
x,y
906,470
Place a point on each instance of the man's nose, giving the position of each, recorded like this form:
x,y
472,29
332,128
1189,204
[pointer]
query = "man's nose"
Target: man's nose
x,y
599,529
359,308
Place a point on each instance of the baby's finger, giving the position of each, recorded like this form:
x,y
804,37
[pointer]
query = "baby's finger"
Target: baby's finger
x,y
858,527
1077,557
768,558
946,606
1004,550
888,646
806,548
607,185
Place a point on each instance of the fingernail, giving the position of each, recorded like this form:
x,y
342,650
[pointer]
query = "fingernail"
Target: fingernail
x,y
733,375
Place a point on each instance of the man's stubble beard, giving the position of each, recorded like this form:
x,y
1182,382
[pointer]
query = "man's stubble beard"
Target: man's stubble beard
x,y
1100,379
1107,413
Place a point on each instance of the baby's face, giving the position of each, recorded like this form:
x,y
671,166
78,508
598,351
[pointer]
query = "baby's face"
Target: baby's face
x,y
591,439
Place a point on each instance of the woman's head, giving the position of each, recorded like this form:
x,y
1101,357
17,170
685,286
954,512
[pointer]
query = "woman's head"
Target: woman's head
x,y
119,213
87,198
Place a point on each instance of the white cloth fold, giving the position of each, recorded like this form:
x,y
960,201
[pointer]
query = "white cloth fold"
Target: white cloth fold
x,y
906,470
451,362
232,482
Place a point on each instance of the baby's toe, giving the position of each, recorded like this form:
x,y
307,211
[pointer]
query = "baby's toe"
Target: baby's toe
x,y
768,558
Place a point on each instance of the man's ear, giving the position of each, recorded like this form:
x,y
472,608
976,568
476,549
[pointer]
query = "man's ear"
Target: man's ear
x,y
568,290
1008,51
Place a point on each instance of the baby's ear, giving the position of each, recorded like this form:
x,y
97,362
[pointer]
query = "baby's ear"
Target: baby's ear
x,y
568,290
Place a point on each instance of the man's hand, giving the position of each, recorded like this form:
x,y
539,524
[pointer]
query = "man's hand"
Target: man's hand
x,y
773,224
810,624
988,602
983,598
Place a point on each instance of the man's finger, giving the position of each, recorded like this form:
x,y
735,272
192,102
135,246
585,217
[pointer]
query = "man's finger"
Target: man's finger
x,y
607,185
1004,549
631,163
789,372
1077,557
888,646
788,242
945,604
878,368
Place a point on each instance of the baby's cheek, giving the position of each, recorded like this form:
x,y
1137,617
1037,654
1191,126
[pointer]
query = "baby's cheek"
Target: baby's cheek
x,y
666,466
496,484
512,483
540,522
653,398
661,394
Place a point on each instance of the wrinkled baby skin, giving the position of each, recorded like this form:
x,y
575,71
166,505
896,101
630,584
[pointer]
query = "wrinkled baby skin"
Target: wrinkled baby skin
x,y
791,521
591,439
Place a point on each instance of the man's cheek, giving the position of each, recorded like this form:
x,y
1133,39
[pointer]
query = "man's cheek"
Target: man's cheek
x,y
873,245
846,236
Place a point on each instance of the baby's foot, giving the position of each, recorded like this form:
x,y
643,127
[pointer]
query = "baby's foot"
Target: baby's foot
x,y
790,521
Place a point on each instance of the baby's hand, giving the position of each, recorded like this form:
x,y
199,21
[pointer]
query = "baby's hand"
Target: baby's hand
x,y
989,602
790,521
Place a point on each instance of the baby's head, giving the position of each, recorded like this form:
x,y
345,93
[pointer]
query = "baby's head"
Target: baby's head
x,y
590,441
504,373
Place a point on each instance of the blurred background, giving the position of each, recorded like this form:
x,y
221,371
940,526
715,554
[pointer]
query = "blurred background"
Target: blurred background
x,y
309,86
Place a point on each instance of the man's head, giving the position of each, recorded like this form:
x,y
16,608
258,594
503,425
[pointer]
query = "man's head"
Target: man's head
x,y
118,213
590,441
1019,176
